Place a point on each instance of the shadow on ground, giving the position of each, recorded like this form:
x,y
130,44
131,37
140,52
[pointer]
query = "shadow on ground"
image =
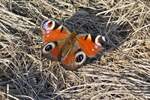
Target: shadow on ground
x,y
85,21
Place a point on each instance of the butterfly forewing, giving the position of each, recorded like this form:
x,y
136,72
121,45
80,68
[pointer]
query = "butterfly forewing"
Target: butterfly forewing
x,y
89,46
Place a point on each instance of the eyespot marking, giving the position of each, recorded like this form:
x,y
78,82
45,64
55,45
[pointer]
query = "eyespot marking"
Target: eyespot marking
x,y
99,39
80,58
48,25
48,47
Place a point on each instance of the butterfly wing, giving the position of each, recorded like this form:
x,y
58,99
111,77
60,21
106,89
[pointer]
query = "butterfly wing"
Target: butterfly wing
x,y
86,46
54,35
53,31
90,44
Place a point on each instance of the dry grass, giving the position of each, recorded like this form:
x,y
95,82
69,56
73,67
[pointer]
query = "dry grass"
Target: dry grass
x,y
122,74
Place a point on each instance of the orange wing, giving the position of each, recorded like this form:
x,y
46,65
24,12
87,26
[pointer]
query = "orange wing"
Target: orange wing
x,y
53,31
54,35
90,47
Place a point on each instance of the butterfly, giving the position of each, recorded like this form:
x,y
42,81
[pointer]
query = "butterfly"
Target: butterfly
x,y
70,48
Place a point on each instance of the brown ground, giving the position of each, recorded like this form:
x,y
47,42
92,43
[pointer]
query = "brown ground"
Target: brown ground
x,y
122,73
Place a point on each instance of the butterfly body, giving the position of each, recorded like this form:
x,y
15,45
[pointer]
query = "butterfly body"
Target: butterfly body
x,y
70,48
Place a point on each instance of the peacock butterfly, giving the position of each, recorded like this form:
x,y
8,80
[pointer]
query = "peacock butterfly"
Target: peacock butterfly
x,y
70,48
